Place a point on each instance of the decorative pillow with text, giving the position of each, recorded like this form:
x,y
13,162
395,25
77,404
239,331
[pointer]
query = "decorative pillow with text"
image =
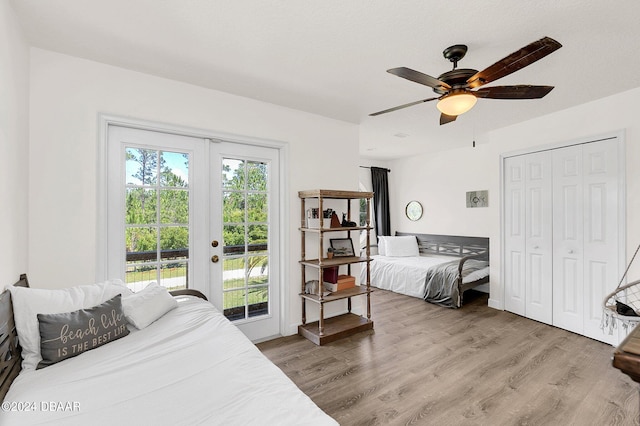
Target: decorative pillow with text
x,y
69,334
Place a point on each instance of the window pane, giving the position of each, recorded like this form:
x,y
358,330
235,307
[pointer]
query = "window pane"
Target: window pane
x,y
233,239
233,207
258,237
232,173
140,206
258,270
258,299
257,207
234,303
141,239
363,212
174,241
173,276
174,206
233,273
174,168
138,275
257,176
141,166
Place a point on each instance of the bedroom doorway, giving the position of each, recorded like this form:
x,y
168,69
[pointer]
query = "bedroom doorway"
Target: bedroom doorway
x,y
194,212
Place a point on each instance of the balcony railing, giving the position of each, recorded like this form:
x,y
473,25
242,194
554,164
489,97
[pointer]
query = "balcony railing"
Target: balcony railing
x,y
182,255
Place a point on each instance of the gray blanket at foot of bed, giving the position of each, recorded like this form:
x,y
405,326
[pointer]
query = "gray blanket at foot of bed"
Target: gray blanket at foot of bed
x,y
442,282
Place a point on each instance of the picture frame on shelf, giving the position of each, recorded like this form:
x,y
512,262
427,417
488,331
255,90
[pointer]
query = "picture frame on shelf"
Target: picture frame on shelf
x,y
342,247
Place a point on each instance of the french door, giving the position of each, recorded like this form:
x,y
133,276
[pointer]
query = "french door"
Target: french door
x,y
244,220
188,212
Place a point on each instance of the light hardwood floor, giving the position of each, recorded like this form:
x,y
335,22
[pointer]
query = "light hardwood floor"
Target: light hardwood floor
x,y
423,364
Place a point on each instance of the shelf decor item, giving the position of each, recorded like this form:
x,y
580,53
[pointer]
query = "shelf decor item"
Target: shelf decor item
x,y
342,247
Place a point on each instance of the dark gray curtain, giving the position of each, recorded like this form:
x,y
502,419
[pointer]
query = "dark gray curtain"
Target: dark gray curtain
x,y
380,184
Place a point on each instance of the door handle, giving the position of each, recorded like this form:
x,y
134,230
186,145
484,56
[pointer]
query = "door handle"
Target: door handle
x,y
570,251
215,258
214,243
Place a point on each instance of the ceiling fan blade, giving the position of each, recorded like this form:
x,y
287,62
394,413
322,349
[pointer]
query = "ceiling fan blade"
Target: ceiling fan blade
x,y
403,106
513,92
419,77
515,61
444,118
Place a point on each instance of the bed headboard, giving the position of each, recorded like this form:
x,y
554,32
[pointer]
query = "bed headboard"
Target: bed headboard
x,y
451,245
10,352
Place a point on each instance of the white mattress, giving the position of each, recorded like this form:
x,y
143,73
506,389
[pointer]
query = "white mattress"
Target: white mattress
x,y
190,367
408,275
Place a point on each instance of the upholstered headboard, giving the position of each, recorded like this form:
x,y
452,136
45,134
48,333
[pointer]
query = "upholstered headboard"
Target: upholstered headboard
x,y
10,352
451,245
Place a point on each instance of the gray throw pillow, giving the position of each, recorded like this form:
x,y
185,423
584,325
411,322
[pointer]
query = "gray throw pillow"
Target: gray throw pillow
x,y
69,334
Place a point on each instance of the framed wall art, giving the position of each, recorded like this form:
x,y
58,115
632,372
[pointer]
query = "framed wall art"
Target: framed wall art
x,y
342,247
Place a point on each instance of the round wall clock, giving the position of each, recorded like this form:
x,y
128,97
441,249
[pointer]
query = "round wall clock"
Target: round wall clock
x,y
413,210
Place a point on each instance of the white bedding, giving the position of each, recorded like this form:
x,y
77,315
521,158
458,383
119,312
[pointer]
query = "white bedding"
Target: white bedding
x,y
190,367
407,275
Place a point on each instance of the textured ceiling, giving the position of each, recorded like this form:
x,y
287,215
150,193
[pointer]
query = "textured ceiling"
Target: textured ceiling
x,y
329,57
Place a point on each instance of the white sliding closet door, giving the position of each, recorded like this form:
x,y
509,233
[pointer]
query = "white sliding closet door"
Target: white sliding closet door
x,y
568,239
585,234
538,234
514,232
528,246
602,241
562,215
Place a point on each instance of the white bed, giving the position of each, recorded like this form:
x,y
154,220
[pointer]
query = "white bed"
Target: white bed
x,y
190,367
408,275
415,268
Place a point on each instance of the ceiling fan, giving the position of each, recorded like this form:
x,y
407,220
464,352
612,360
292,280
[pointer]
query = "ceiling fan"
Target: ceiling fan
x,y
454,87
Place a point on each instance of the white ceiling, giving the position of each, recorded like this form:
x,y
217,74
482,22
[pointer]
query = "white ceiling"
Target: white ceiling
x,y
330,57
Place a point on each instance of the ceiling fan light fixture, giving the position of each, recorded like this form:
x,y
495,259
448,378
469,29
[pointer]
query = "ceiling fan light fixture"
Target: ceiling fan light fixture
x,y
456,103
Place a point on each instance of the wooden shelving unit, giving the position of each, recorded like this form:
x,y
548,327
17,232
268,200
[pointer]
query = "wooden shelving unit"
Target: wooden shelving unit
x,y
327,330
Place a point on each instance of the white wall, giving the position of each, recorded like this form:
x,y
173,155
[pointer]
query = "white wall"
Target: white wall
x,y
14,134
440,180
68,94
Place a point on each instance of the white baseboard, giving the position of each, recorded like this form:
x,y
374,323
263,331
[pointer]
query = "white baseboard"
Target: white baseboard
x,y
496,304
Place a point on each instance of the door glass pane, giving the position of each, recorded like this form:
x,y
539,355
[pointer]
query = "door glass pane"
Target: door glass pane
x,y
257,207
257,236
174,206
258,270
140,273
234,304
157,218
245,232
140,206
233,173
142,166
257,174
174,169
233,275
234,238
234,207
258,298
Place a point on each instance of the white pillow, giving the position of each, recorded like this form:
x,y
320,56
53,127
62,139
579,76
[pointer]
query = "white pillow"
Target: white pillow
x,y
147,305
29,302
402,246
382,247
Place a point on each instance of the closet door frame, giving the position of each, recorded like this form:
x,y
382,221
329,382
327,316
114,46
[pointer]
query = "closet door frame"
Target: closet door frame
x,y
622,199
